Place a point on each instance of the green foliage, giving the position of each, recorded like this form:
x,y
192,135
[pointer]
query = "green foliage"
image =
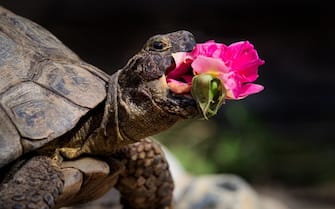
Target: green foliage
x,y
238,142
208,92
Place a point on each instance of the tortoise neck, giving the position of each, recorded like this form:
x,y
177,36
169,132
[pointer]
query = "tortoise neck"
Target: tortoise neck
x,y
111,122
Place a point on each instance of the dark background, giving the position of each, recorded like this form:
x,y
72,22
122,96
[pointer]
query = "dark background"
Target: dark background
x,y
284,134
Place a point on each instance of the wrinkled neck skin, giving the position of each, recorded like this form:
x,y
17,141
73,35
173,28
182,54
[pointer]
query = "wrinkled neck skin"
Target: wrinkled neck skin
x,y
131,113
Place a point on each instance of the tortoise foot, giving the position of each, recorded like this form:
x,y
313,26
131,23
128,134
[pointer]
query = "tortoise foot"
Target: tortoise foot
x,y
146,182
36,185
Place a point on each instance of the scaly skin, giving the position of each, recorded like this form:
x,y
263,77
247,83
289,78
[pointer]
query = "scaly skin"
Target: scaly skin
x,y
139,171
138,104
37,184
146,182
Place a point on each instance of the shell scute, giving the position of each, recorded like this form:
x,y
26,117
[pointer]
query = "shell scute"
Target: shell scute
x,y
38,113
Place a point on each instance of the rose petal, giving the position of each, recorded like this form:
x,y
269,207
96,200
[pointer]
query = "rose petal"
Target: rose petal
x,y
249,72
179,87
235,89
209,49
231,84
209,65
248,89
187,78
183,62
243,58
236,65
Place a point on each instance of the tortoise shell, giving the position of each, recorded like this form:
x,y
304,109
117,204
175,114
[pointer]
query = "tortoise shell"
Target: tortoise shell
x,y
44,87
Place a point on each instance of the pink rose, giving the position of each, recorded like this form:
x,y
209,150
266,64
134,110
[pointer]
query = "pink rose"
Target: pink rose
x,y
235,65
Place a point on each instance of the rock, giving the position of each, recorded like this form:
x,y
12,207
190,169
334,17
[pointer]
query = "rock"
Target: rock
x,y
268,202
221,191
218,192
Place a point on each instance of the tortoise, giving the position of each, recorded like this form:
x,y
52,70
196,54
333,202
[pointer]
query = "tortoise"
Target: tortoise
x,y
69,132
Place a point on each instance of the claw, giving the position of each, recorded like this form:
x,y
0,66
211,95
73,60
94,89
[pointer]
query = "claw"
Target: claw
x,y
70,153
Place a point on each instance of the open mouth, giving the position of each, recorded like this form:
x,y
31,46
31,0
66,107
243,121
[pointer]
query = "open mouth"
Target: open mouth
x,y
179,76
179,81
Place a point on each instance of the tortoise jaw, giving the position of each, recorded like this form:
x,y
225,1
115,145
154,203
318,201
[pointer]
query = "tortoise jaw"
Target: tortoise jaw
x,y
181,104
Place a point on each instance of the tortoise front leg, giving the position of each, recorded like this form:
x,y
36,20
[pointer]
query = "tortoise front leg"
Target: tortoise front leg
x,y
49,183
36,184
146,182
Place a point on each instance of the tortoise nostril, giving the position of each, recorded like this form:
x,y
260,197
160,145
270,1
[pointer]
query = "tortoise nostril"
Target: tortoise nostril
x,y
189,42
189,46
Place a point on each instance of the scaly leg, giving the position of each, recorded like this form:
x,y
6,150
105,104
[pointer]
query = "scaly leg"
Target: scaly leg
x,y
36,185
44,183
146,182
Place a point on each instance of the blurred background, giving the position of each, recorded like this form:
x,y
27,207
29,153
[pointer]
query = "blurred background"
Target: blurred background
x,y
282,138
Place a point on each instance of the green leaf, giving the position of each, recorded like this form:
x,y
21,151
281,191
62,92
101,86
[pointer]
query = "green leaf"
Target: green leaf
x,y
208,92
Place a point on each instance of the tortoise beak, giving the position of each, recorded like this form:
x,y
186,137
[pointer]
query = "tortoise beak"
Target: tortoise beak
x,y
181,104
183,41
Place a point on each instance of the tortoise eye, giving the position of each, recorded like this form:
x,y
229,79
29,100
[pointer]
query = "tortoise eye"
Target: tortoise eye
x,y
159,45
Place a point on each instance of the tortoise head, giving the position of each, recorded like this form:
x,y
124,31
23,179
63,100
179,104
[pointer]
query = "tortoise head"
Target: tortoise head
x,y
146,106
